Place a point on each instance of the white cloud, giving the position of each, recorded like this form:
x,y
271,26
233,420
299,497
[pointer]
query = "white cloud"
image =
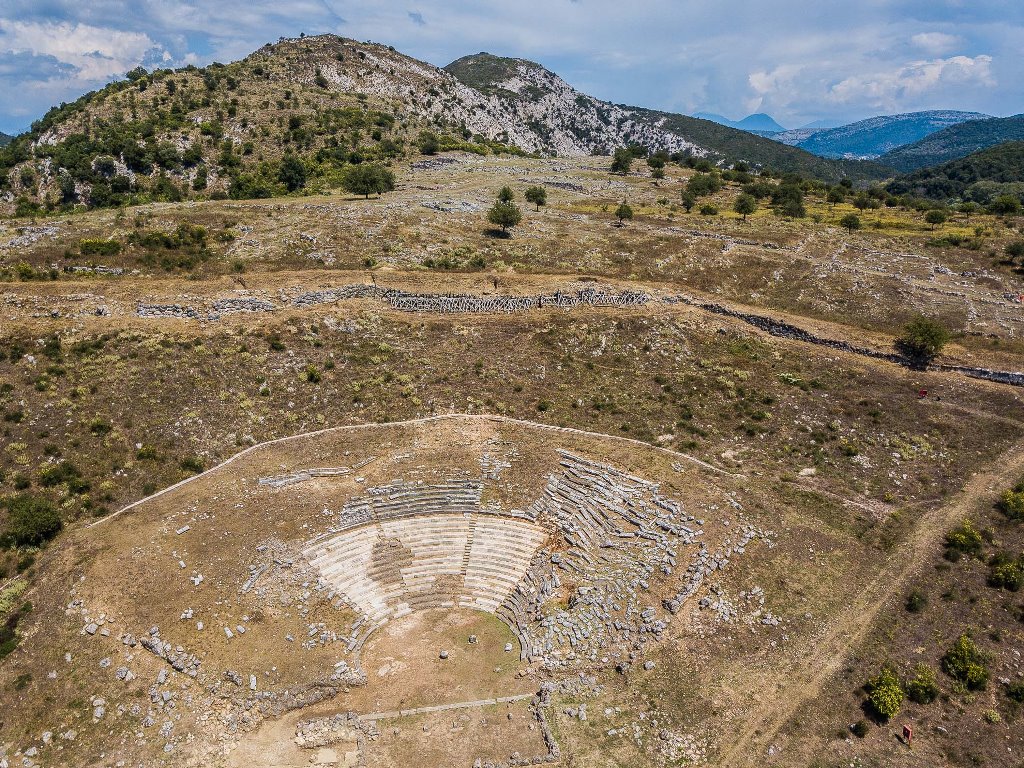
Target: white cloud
x,y
888,90
935,43
96,53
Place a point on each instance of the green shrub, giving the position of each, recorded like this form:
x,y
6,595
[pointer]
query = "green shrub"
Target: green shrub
x,y
966,663
100,426
885,696
860,728
922,688
1006,572
1016,691
708,210
99,247
63,473
963,540
192,464
923,338
312,374
31,521
917,601
1011,503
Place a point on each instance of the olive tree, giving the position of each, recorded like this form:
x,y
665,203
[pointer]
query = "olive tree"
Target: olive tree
x,y
745,205
923,338
367,179
537,195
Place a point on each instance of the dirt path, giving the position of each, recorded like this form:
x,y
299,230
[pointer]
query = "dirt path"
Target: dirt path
x,y
804,681
374,716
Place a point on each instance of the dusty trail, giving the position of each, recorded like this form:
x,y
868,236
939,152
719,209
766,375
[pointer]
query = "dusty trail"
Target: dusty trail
x,y
800,683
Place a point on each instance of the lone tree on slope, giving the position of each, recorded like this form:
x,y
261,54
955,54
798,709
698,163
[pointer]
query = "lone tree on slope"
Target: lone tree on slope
x,y
506,195
622,161
923,338
935,216
504,214
623,212
368,179
745,204
537,195
836,195
292,173
851,221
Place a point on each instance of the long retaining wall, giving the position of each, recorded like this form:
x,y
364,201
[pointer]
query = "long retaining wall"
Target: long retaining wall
x,y
466,303
786,330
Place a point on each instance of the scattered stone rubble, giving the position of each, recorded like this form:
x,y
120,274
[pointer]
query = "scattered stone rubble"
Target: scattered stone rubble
x,y
327,731
227,306
167,310
279,481
622,534
175,655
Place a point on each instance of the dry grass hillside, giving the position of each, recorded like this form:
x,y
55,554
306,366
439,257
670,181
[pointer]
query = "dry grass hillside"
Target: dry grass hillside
x,y
322,479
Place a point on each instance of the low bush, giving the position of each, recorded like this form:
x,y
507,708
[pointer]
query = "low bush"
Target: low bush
x,y
885,695
1006,572
192,464
99,247
31,521
917,601
965,663
1011,503
963,540
922,688
63,473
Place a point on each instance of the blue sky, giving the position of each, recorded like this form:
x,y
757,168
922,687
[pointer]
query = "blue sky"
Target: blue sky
x,y
798,61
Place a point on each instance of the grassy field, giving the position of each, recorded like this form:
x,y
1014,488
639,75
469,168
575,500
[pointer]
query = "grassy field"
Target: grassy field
x,y
858,477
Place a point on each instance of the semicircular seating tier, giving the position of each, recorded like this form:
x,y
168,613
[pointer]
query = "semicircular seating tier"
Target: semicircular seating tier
x,y
570,576
410,546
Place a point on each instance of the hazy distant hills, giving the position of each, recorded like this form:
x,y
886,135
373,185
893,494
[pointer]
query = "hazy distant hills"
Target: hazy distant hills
x,y
5,139
867,139
756,123
875,136
955,142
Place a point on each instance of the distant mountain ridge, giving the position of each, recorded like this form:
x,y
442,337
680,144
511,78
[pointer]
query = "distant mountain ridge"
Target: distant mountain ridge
x,y
549,107
758,122
955,142
871,138
5,139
